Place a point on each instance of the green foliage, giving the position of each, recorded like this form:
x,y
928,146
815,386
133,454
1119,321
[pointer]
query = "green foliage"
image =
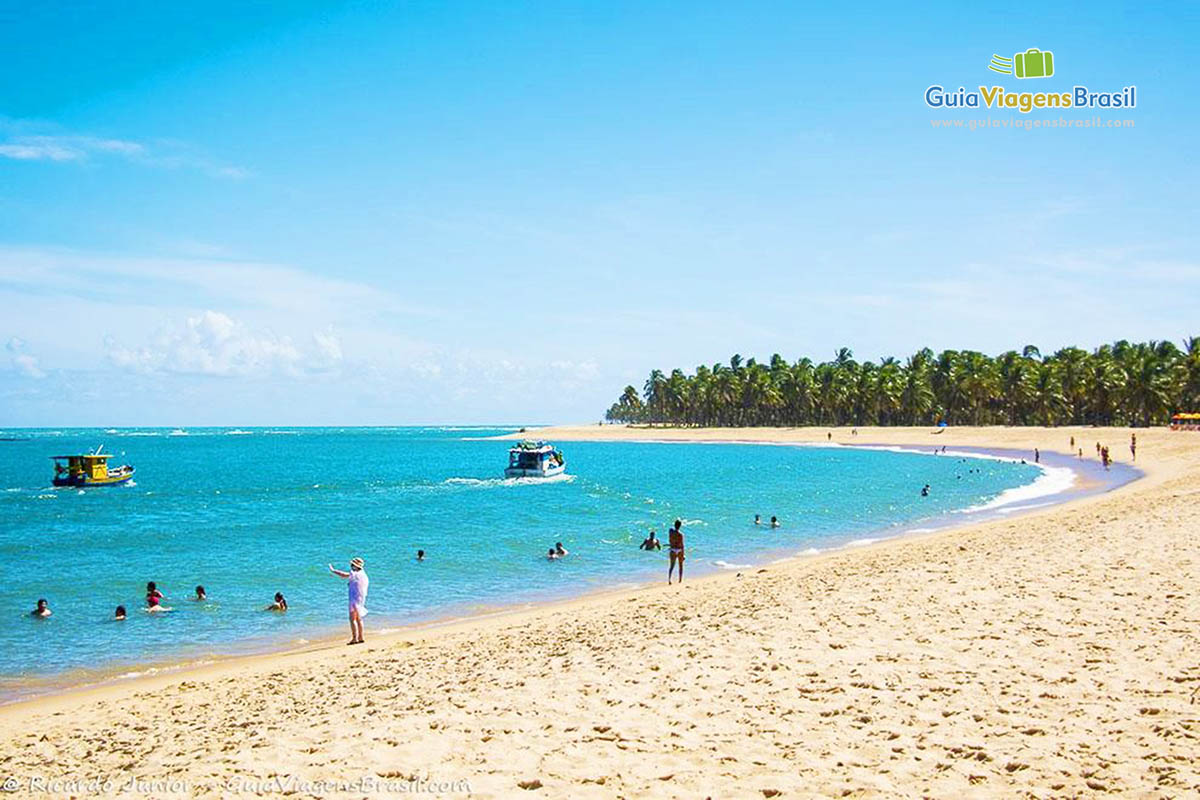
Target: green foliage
x,y
1118,384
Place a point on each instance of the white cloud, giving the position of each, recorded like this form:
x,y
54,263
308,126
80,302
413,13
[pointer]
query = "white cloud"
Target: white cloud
x,y
213,343
22,361
79,148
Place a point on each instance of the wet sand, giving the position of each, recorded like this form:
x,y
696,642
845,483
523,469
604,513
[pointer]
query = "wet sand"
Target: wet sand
x,y
1051,654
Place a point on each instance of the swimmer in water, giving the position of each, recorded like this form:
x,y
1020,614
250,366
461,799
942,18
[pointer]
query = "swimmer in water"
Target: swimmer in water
x,y
651,542
559,550
925,490
280,603
420,555
774,522
758,519
201,595
154,598
42,611
120,613
551,555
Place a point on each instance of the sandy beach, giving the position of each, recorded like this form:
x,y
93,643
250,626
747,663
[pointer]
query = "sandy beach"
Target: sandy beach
x,y
1054,654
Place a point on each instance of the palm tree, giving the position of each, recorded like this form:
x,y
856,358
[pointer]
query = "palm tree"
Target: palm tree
x,y
1073,364
916,398
1189,376
1147,383
1047,396
656,396
1122,382
1016,373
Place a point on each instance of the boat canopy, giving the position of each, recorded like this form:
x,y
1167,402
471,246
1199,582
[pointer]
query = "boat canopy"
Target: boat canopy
x,y
530,446
100,456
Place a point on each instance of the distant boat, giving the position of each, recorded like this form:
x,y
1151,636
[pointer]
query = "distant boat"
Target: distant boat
x,y
529,459
89,469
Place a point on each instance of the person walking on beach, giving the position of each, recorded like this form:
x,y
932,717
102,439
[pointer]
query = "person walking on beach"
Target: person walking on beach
x,y
675,545
1037,456
357,583
1133,445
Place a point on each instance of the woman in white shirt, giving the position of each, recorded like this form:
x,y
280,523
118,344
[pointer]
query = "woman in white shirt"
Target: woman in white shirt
x,y
357,583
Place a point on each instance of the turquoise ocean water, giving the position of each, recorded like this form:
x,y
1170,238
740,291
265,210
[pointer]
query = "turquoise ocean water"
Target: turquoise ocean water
x,y
250,512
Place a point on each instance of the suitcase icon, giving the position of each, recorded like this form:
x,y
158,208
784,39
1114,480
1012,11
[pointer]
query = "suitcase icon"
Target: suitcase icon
x,y
1034,63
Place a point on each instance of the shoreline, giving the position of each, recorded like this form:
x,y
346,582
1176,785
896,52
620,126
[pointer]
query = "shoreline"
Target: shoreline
x,y
324,638
1048,653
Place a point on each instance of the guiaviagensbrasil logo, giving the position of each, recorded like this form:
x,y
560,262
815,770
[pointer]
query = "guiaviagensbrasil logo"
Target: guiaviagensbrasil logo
x,y
1031,63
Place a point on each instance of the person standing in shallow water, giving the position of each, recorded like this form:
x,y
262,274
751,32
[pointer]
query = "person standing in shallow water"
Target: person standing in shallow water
x,y
675,546
1037,456
356,587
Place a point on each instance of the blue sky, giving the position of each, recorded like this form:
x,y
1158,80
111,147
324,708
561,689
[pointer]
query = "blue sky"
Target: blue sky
x,y
370,213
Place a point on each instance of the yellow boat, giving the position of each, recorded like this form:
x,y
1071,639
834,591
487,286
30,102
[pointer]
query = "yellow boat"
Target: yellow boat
x,y
89,469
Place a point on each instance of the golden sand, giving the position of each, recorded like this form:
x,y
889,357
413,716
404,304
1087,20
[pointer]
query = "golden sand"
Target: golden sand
x,y
1054,654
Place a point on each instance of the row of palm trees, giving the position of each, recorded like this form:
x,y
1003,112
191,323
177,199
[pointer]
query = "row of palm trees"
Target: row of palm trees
x,y
1118,384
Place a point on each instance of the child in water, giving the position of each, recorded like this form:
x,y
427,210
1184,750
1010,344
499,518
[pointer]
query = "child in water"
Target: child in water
x,y
120,613
280,603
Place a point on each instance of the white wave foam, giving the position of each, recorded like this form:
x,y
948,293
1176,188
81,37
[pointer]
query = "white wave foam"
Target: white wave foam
x,y
921,530
1023,508
865,542
489,482
238,432
178,432
812,551
1053,480
727,565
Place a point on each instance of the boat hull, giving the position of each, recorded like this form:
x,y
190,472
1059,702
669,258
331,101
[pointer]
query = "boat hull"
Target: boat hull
x,y
520,472
81,481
